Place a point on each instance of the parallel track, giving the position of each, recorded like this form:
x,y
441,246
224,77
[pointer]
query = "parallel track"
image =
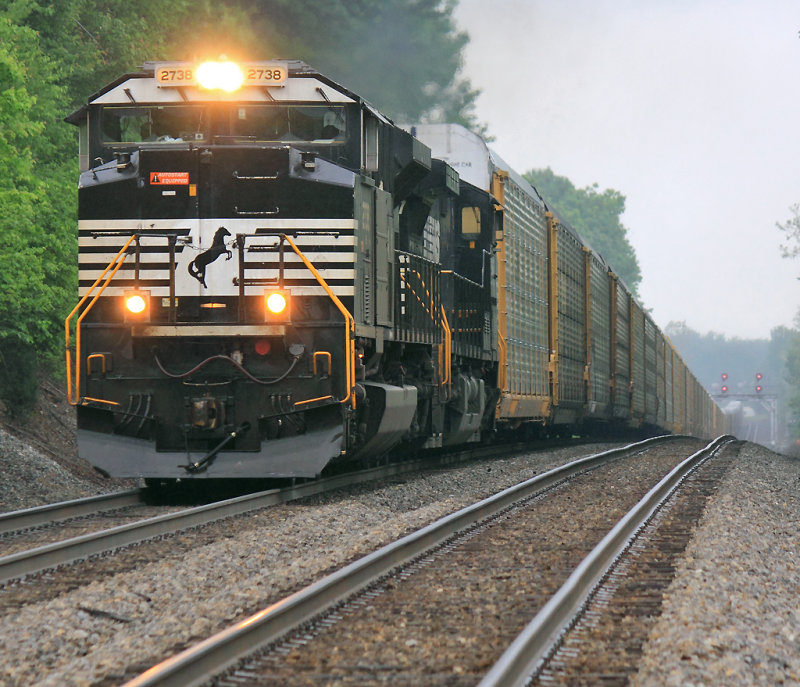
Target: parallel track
x,y
19,520
195,665
542,636
50,556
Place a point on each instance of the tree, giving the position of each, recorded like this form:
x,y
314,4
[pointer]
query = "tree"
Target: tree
x,y
595,216
36,254
791,229
791,249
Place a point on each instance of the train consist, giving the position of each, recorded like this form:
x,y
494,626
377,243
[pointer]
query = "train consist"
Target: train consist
x,y
275,277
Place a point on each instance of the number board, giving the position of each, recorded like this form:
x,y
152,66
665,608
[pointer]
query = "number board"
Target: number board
x,y
255,74
265,73
179,74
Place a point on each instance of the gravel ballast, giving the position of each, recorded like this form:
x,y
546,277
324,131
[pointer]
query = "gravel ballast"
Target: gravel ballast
x,y
730,617
732,614
141,616
30,478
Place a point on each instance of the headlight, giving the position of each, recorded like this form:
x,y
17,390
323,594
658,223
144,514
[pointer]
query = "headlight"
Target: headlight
x,y
225,76
137,305
276,303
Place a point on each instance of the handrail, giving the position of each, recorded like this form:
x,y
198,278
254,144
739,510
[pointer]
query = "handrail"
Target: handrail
x,y
429,309
116,263
447,348
350,343
502,372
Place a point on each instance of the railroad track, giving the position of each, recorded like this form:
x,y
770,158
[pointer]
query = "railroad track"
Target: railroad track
x,y
303,633
57,554
43,516
555,647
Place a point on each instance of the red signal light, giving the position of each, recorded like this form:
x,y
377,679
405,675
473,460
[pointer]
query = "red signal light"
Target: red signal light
x,y
724,376
759,376
758,388
724,388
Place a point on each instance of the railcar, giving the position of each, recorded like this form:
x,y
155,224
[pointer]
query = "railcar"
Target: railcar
x,y
274,277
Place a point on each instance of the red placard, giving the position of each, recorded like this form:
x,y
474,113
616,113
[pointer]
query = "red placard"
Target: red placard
x,y
169,178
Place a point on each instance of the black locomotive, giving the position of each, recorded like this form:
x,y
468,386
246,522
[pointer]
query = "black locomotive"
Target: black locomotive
x,y
274,276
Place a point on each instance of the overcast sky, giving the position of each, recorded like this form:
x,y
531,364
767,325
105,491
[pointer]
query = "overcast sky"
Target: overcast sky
x,y
689,108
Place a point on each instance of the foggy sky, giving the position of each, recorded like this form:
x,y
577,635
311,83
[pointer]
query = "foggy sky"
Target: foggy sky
x,y
690,108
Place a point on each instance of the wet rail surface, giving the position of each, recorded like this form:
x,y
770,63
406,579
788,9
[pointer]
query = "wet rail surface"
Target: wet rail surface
x,y
606,640
45,562
447,616
16,524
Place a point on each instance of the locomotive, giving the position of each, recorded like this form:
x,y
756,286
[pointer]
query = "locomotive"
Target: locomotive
x,y
274,277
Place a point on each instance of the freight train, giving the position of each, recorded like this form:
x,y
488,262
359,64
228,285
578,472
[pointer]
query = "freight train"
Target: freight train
x,y
274,277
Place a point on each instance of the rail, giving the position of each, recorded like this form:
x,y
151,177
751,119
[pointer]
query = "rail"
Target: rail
x,y
77,548
445,354
55,512
196,665
466,318
418,303
534,643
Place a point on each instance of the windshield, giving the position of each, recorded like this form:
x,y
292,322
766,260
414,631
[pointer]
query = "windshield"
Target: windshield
x,y
164,124
292,123
322,124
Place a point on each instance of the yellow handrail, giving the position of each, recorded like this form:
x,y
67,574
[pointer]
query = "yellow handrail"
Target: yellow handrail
x,y
325,354
116,263
447,348
350,343
502,372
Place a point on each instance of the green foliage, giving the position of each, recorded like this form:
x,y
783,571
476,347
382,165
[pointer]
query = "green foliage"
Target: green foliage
x,y
791,230
596,216
709,355
793,373
36,222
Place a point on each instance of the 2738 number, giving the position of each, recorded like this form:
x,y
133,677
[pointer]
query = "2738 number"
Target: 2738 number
x,y
259,75
175,76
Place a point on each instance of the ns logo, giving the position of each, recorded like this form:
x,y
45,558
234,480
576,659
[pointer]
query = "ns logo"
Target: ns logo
x,y
197,267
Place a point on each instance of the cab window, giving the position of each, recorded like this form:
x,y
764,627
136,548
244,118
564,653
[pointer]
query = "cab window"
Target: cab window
x,y
470,220
308,123
167,124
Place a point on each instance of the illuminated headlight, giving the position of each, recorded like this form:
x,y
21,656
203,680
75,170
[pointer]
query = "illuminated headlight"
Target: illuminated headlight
x,y
225,76
137,305
276,303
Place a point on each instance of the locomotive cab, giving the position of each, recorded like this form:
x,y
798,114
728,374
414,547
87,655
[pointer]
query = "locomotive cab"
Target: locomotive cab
x,y
254,229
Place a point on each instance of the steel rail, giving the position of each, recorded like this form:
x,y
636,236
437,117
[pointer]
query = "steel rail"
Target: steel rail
x,y
64,510
68,551
197,664
537,640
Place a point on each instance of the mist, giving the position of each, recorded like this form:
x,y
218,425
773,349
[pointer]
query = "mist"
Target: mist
x,y
690,109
